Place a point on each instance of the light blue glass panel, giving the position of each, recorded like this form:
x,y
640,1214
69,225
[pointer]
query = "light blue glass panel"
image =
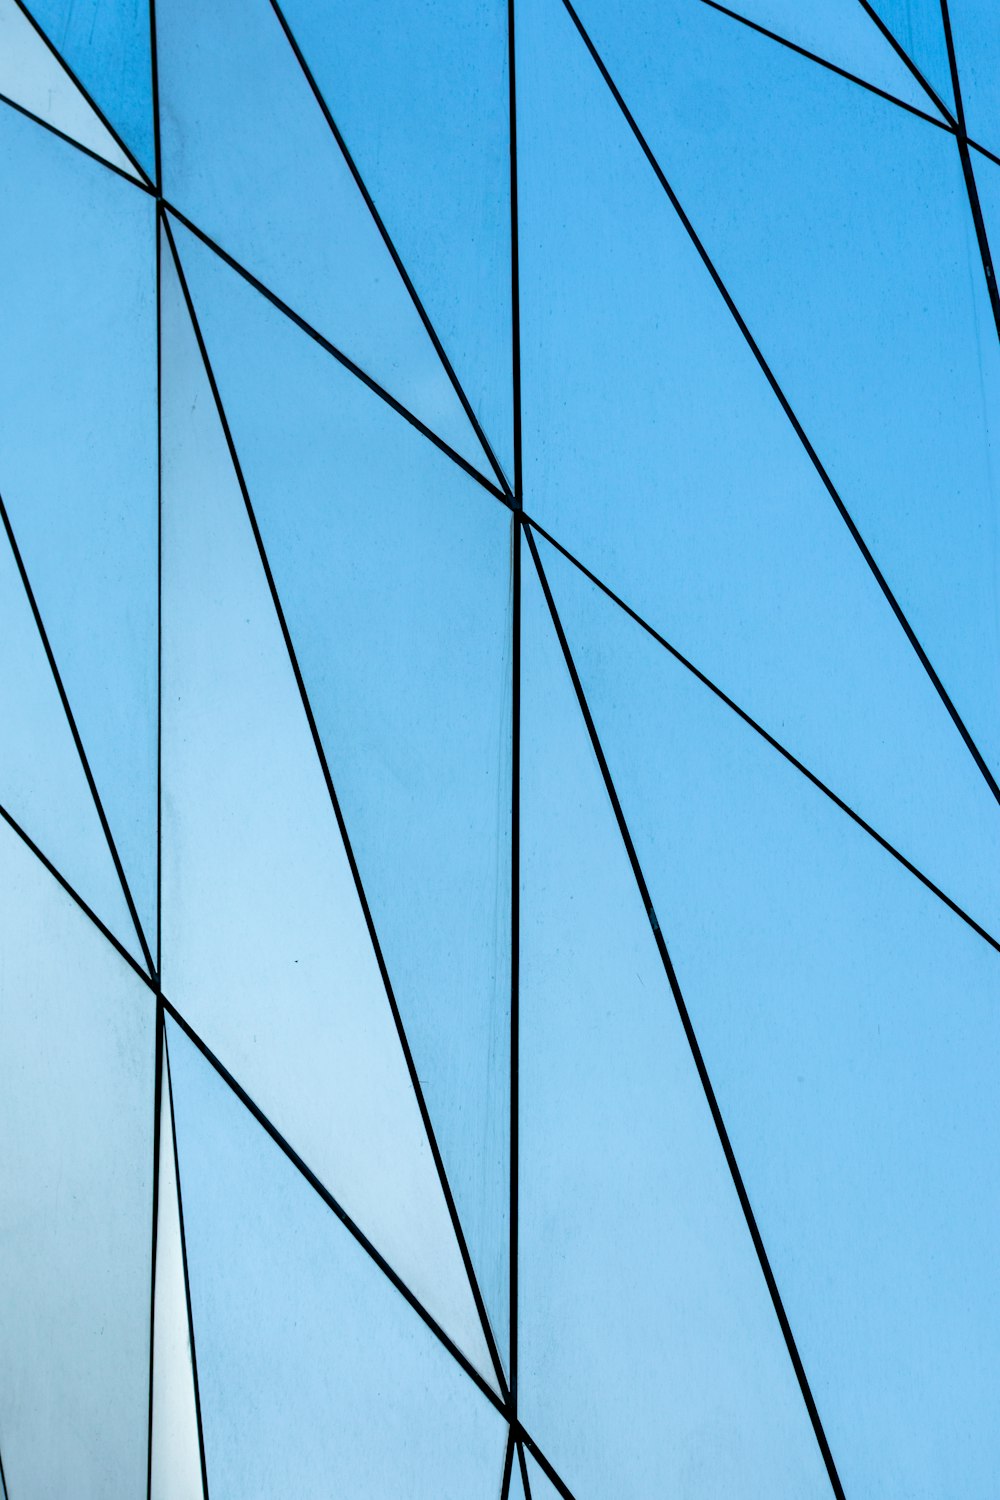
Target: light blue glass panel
x,y
976,36
42,784
106,43
851,253
78,456
315,1377
851,1027
651,1361
265,947
76,1169
655,450
248,155
175,1457
516,1491
393,568
917,27
34,78
419,92
840,32
542,1487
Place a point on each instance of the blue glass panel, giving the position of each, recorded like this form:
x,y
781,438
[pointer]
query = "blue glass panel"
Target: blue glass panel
x,y
393,568
651,1360
76,1121
655,450
842,34
265,947
78,456
34,78
516,1491
894,368
42,783
851,1027
419,92
106,43
315,1377
917,27
175,1457
248,155
976,36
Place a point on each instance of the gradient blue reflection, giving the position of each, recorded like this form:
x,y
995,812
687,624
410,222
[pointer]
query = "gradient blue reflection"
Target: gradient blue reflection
x,y
655,450
651,1361
78,456
107,44
419,92
316,1378
394,573
851,1025
76,1173
248,154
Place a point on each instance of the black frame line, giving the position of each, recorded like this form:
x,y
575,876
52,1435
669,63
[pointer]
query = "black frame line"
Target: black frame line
x,y
508,1464
527,1441
768,738
342,827
515,255
3,1480
160,1041
78,742
692,1040
524,1471
907,61
187,1279
387,240
786,406
338,354
515,953
98,111
971,186
154,78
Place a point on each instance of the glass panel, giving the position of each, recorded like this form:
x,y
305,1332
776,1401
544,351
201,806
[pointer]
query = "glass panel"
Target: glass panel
x,y
419,92
32,77
266,951
655,450
176,1459
42,784
106,43
916,25
840,32
402,630
240,127
651,1360
851,1027
516,1491
78,456
976,37
315,1377
76,1121
894,371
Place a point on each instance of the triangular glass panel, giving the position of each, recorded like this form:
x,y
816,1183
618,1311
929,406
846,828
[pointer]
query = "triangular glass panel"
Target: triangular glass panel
x,y
239,126
657,453
839,32
76,1119
78,457
42,782
175,1472
32,76
393,568
107,44
315,1377
650,1358
850,1024
917,27
421,98
266,948
515,1489
894,370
